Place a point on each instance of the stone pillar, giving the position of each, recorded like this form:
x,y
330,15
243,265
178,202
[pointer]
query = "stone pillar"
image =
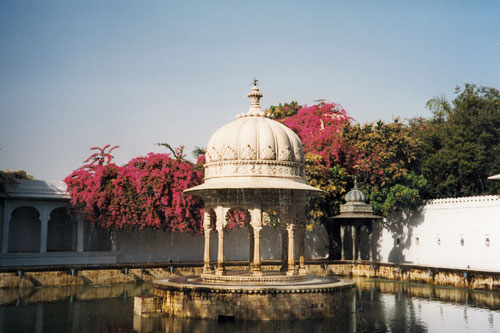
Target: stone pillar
x,y
354,247
44,217
284,210
251,241
221,219
256,269
220,254
7,214
370,244
291,249
301,220
256,214
342,235
207,228
284,247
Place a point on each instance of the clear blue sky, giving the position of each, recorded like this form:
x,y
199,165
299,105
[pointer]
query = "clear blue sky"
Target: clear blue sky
x,y
77,74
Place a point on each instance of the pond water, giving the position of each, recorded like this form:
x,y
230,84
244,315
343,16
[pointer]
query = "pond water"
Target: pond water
x,y
379,306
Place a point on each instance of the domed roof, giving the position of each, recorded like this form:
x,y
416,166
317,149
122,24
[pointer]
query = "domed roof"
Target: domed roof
x,y
355,206
255,151
254,138
355,195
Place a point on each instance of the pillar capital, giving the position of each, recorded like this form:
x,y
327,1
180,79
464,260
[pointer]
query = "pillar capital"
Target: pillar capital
x,y
256,216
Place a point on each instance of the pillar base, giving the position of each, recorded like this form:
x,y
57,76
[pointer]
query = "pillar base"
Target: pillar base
x,y
302,271
291,272
255,268
207,270
221,270
256,272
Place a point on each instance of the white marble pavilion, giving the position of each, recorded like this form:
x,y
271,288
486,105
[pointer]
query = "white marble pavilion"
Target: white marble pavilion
x,y
256,164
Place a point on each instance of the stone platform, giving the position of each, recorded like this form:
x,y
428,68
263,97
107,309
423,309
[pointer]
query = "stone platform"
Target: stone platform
x,y
263,277
192,297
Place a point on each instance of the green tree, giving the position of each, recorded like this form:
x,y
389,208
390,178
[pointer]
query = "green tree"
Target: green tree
x,y
387,164
460,151
9,178
440,108
283,111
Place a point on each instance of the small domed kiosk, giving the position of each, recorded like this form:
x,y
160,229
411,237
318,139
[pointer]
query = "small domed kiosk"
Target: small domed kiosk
x,y
254,164
357,215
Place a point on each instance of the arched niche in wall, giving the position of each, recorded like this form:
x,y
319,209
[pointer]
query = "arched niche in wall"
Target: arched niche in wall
x,y
62,231
24,230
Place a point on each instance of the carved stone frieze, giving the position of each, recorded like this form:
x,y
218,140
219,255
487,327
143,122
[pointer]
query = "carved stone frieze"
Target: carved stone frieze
x,y
254,168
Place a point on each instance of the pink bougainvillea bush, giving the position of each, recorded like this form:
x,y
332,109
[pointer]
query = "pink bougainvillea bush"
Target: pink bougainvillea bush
x,y
147,192
320,130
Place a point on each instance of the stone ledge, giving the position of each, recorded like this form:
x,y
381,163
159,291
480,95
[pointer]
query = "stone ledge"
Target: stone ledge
x,y
312,284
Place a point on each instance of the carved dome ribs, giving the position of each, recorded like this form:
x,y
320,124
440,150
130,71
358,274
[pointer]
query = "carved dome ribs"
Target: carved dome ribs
x,y
255,138
255,151
355,195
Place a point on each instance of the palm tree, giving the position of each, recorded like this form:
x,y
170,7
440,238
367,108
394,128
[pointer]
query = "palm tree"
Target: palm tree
x,y
440,107
199,151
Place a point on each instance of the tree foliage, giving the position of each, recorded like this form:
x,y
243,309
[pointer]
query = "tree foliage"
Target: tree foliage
x,y
460,151
387,165
284,110
383,156
9,178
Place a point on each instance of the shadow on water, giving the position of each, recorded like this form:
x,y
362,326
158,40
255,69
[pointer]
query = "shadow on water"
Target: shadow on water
x,y
378,306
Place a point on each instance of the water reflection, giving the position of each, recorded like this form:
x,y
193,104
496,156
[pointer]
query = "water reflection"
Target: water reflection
x,y
72,293
379,306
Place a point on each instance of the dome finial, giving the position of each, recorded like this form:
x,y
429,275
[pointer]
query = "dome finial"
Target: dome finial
x,y
255,95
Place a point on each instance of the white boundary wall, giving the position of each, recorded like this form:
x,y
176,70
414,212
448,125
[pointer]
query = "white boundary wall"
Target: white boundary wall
x,y
433,235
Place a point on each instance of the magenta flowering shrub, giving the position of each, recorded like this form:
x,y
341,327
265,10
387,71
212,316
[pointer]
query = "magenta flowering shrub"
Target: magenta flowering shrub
x,y
320,130
236,218
146,192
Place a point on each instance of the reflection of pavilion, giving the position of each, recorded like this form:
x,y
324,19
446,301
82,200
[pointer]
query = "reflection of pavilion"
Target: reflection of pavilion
x,y
357,215
256,164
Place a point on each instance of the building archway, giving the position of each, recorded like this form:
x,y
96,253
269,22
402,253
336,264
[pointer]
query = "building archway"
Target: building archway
x,y
24,230
62,231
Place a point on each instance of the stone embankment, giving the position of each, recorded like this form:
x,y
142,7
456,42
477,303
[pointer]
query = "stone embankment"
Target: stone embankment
x,y
27,277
